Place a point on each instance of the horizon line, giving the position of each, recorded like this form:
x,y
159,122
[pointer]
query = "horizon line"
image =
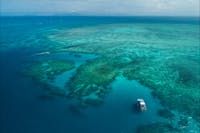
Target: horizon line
x,y
97,16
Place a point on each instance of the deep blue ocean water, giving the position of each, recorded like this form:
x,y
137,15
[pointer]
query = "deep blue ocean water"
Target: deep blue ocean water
x,y
23,111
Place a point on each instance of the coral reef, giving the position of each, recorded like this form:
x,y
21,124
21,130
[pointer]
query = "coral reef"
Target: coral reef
x,y
166,113
178,123
158,127
91,81
164,59
177,86
46,71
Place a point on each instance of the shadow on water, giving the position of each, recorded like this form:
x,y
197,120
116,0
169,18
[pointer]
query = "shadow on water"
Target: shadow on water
x,y
135,109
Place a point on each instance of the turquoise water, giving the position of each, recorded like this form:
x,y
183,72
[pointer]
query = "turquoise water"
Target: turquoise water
x,y
77,58
149,43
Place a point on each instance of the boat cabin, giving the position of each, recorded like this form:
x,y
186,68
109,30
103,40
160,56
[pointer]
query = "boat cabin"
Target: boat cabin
x,y
141,105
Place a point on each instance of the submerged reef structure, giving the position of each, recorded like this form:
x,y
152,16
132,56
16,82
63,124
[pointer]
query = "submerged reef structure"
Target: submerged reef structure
x,y
158,127
163,57
166,113
176,86
90,83
46,71
177,123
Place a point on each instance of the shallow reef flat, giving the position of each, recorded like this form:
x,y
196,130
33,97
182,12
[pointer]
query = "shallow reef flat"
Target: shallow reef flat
x,y
46,71
164,57
105,39
91,82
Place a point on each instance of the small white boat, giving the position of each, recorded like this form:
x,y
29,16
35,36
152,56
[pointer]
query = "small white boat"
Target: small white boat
x,y
141,105
43,53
